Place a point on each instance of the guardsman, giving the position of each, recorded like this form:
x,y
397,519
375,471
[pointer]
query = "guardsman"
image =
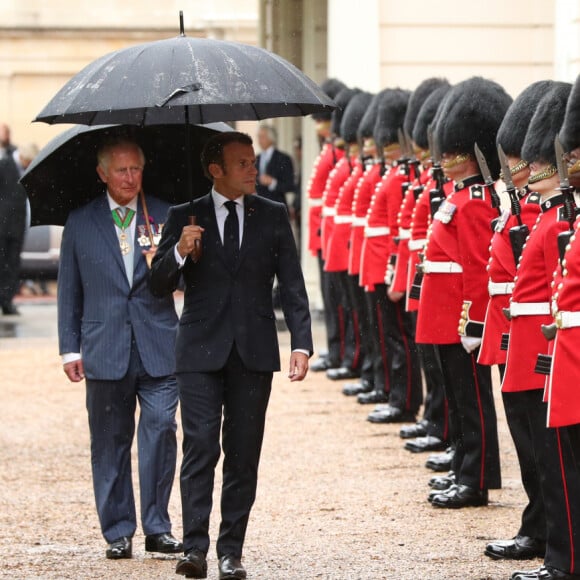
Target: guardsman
x,y
325,162
454,286
529,542
556,447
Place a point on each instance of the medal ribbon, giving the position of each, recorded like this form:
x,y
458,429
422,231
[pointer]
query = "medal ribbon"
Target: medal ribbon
x,y
123,221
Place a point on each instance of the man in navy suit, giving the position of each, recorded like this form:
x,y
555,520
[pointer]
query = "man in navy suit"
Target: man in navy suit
x,y
227,345
115,334
275,168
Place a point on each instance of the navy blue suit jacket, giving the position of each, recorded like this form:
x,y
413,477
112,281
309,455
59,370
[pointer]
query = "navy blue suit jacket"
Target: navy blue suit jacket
x,y
98,312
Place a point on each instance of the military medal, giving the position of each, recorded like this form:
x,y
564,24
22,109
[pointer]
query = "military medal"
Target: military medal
x,y
123,221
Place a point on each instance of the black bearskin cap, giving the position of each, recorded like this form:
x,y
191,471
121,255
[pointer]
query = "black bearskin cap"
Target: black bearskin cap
x,y
390,116
367,124
472,113
418,99
427,115
342,99
331,87
516,122
353,114
570,132
546,124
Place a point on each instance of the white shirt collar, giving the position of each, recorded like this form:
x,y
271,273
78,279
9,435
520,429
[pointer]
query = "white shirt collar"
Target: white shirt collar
x,y
113,204
219,200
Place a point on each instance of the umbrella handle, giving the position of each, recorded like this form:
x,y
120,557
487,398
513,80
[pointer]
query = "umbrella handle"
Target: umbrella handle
x,y
196,254
148,257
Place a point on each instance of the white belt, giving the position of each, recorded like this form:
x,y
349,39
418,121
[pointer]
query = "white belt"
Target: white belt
x,y
417,244
529,308
404,234
315,201
342,219
565,319
495,288
328,211
359,221
441,267
373,232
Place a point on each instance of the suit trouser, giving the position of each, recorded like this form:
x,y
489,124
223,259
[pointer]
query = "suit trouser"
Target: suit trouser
x,y
398,329
436,412
526,413
333,315
472,418
10,248
243,397
378,353
111,408
358,300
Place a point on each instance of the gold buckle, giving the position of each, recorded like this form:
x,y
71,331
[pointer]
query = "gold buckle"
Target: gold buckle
x,y
558,319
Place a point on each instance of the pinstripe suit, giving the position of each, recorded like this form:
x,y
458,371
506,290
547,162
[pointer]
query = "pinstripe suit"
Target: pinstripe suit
x,y
127,340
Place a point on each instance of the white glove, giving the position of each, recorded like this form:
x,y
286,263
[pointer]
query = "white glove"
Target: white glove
x,y
470,343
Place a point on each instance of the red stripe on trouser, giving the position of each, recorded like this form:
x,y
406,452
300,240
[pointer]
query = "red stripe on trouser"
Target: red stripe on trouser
x,y
341,331
383,349
566,500
407,357
481,421
356,357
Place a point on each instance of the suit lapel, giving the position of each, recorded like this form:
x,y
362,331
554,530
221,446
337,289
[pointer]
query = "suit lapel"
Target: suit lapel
x,y
250,231
104,221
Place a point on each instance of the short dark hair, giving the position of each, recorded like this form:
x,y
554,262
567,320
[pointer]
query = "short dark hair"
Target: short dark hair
x,y
213,150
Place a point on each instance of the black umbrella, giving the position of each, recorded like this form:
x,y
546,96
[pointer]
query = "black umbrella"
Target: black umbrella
x,y
63,175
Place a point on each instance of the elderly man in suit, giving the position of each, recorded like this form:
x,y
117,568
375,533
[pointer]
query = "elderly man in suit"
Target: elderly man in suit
x,y
227,346
117,335
275,168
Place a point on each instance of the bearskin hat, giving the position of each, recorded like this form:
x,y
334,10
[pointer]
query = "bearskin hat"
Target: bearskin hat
x,y
418,98
472,113
331,87
353,114
516,122
390,116
426,116
341,99
546,124
570,131
367,124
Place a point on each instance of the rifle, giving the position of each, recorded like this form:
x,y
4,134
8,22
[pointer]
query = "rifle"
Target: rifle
x,y
567,190
437,194
489,183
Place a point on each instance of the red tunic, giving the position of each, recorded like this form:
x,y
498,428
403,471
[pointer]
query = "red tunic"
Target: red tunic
x,y
337,247
535,272
360,204
501,268
564,381
335,181
458,241
320,172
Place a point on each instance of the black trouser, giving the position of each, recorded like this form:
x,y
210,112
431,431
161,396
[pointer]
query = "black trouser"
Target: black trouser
x,y
472,418
364,336
333,315
10,248
378,353
243,397
436,413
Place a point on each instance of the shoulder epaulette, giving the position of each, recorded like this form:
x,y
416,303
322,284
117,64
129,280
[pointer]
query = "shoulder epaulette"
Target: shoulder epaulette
x,y
476,192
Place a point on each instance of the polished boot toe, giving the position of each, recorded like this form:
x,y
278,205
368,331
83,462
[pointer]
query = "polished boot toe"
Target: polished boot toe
x,y
460,496
230,568
354,389
10,310
528,574
164,543
119,549
442,482
391,415
440,461
342,373
193,565
423,444
419,429
518,548
372,397
322,364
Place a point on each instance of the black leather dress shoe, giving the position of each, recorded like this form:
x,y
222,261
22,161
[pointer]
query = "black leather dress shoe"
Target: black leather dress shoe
x,y
442,482
119,549
427,443
419,429
553,574
460,496
391,415
342,373
527,574
353,389
10,309
372,397
518,548
163,543
193,565
231,568
440,461
322,364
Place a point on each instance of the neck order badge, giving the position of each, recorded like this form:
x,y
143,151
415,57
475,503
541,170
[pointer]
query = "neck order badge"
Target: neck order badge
x,y
123,218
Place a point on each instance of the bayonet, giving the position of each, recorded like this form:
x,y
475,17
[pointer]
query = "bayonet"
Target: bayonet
x,y
562,167
489,181
568,192
436,195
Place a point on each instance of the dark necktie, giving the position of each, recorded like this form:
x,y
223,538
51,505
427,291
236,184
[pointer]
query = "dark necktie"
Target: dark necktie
x,y
232,234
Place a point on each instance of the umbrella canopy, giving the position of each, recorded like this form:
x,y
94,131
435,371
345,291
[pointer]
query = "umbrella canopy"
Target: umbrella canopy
x,y
63,175
185,80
